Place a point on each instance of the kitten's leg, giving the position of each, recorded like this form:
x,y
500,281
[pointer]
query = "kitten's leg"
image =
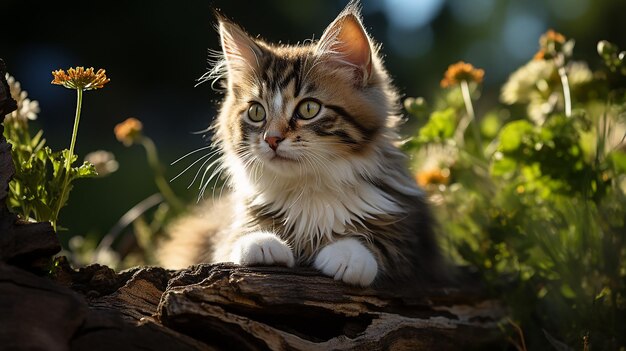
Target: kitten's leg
x,y
261,248
347,260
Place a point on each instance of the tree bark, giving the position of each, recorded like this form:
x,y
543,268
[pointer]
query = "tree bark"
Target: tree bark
x,y
228,307
239,308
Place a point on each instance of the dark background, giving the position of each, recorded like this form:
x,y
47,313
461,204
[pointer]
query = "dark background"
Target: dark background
x,y
154,51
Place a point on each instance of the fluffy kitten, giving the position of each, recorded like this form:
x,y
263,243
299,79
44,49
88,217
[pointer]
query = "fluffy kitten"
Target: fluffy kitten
x,y
307,137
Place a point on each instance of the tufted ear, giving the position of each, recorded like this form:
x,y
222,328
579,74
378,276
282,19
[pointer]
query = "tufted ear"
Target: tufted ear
x,y
242,53
346,42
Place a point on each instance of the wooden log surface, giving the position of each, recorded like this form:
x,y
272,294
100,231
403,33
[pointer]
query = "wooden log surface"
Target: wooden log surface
x,y
40,313
277,308
228,307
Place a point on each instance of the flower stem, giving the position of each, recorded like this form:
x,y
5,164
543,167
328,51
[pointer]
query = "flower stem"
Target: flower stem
x,y
70,156
159,178
471,117
79,103
566,92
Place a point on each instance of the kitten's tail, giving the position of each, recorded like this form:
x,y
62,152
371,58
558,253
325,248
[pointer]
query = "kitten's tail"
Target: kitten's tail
x,y
192,239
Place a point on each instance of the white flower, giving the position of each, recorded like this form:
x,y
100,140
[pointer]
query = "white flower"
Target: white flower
x,y
579,73
27,109
537,84
436,156
522,84
104,161
432,164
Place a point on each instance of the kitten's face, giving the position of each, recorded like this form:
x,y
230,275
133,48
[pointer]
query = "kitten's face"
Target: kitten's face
x,y
293,109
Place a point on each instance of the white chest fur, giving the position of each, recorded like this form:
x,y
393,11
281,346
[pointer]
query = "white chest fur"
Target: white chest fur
x,y
313,208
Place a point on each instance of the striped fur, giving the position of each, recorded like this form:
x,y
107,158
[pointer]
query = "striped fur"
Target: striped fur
x,y
338,175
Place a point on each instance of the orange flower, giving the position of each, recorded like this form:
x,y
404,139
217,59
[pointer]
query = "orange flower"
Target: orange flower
x,y
550,44
540,55
461,71
551,36
129,131
433,176
80,78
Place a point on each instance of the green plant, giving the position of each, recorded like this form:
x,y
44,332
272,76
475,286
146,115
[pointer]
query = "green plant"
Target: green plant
x,y
147,218
43,177
129,132
537,201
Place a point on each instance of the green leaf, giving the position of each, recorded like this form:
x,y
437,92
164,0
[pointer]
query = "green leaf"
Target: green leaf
x,y
440,126
512,134
567,291
504,167
36,139
86,170
490,124
618,159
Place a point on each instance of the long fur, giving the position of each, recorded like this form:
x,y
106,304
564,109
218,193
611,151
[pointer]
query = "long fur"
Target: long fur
x,y
347,178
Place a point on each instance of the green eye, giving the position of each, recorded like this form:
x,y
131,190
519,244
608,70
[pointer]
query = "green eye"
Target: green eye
x,y
309,109
256,112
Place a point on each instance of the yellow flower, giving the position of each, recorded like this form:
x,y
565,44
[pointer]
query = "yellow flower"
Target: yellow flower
x,y
461,71
80,78
129,131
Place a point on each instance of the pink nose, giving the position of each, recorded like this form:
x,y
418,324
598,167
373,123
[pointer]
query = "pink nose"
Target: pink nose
x,y
273,141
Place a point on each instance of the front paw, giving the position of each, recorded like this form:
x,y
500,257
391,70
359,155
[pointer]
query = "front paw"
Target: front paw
x,y
347,260
261,248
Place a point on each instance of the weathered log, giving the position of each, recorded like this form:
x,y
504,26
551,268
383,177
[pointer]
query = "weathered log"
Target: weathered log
x,y
227,307
38,313
239,308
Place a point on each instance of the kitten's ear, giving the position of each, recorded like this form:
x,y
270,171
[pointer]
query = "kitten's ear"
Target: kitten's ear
x,y
345,41
242,53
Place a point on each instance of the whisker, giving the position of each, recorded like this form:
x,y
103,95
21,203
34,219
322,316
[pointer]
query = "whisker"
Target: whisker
x,y
215,173
191,165
224,185
191,153
303,187
221,190
216,180
207,170
200,169
198,172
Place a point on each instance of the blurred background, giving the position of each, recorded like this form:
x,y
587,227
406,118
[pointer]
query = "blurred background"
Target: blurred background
x,y
155,51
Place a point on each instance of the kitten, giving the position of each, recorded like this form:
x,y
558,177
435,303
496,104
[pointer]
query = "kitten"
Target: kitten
x,y
307,134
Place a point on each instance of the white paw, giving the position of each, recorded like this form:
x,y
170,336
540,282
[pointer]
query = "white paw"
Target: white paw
x,y
347,260
261,248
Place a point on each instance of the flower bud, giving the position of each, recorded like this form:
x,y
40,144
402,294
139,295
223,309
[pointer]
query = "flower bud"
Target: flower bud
x,y
129,131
